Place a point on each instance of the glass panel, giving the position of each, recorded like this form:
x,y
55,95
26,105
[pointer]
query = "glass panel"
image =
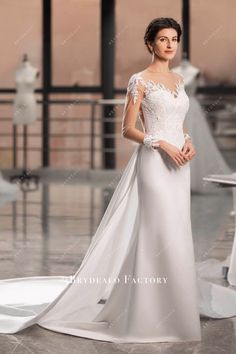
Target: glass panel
x,y
70,131
20,33
213,41
76,42
131,53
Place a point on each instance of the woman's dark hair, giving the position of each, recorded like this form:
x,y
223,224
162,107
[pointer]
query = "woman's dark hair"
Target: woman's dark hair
x,y
158,24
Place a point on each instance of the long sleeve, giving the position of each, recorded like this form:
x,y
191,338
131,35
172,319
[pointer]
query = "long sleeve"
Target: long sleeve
x,y
134,96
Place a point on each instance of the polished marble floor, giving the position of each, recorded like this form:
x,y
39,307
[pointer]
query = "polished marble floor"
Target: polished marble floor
x,y
47,232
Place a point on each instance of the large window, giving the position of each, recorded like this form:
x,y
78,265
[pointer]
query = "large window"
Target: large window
x,y
76,42
20,32
213,41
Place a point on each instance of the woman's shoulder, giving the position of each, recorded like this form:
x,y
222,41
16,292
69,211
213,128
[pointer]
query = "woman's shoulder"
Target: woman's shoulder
x,y
178,77
136,79
135,75
136,86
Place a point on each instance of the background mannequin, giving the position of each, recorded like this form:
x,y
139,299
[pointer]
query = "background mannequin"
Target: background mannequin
x,y
208,159
25,111
25,107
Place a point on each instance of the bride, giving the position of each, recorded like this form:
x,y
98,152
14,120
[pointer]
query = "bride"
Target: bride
x,y
138,280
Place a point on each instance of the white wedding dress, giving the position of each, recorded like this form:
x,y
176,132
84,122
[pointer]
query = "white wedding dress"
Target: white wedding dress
x,y
6,187
8,191
209,159
138,281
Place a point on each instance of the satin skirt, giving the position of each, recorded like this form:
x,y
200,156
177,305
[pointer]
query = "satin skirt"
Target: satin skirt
x,y
138,281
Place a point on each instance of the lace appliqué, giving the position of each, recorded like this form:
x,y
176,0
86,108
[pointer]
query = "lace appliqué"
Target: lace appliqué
x,y
153,86
163,109
134,86
149,86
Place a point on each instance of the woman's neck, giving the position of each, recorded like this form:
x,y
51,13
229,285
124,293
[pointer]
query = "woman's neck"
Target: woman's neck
x,y
159,66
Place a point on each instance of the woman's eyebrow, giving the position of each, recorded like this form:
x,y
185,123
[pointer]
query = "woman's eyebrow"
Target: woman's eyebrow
x,y
166,36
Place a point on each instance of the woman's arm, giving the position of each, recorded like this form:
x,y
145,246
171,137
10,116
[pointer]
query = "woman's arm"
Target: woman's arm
x,y
187,136
185,128
188,148
134,97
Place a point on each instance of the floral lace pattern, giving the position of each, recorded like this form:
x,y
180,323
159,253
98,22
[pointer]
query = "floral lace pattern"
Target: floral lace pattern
x,y
163,110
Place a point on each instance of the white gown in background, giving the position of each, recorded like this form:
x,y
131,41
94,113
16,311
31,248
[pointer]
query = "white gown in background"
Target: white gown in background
x,y
25,105
208,159
8,191
7,187
138,279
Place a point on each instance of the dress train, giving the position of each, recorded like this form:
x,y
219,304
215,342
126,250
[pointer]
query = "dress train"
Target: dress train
x,y
39,300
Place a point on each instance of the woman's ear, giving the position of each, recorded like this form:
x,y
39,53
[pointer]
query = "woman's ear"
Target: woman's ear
x,y
150,47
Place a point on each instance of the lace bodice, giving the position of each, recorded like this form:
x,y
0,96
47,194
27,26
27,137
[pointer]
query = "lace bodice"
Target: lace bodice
x,y
162,111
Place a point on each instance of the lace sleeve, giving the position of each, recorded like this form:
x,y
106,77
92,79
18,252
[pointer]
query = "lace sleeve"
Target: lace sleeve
x,y
135,87
134,96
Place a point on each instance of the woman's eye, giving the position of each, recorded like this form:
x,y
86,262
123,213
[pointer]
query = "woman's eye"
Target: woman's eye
x,y
165,39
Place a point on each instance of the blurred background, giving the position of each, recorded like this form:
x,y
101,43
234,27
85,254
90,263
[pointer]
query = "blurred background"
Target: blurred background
x,y
86,51
68,162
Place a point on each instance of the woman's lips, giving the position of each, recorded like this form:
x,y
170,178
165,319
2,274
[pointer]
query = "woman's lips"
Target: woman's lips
x,y
168,51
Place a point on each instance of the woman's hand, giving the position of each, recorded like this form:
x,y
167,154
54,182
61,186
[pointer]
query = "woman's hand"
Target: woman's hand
x,y
189,150
178,156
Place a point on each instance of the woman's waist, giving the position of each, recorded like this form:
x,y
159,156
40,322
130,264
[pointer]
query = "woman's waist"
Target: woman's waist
x,y
170,134
175,138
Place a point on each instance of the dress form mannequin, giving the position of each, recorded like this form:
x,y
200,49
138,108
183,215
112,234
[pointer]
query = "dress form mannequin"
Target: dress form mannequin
x,y
208,158
25,110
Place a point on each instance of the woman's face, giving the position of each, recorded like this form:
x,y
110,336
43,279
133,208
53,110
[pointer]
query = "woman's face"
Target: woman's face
x,y
165,43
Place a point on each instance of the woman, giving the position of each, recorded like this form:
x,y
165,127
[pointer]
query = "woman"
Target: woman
x,y
137,281
145,240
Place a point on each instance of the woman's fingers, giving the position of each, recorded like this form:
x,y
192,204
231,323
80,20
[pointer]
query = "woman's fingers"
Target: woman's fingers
x,y
185,149
191,153
179,160
180,157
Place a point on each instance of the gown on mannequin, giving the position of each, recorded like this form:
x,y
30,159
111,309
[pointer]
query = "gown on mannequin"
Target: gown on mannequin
x,y
208,159
25,106
7,187
138,280
8,191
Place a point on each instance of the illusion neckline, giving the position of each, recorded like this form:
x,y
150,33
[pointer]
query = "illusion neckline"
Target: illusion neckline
x,y
174,93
